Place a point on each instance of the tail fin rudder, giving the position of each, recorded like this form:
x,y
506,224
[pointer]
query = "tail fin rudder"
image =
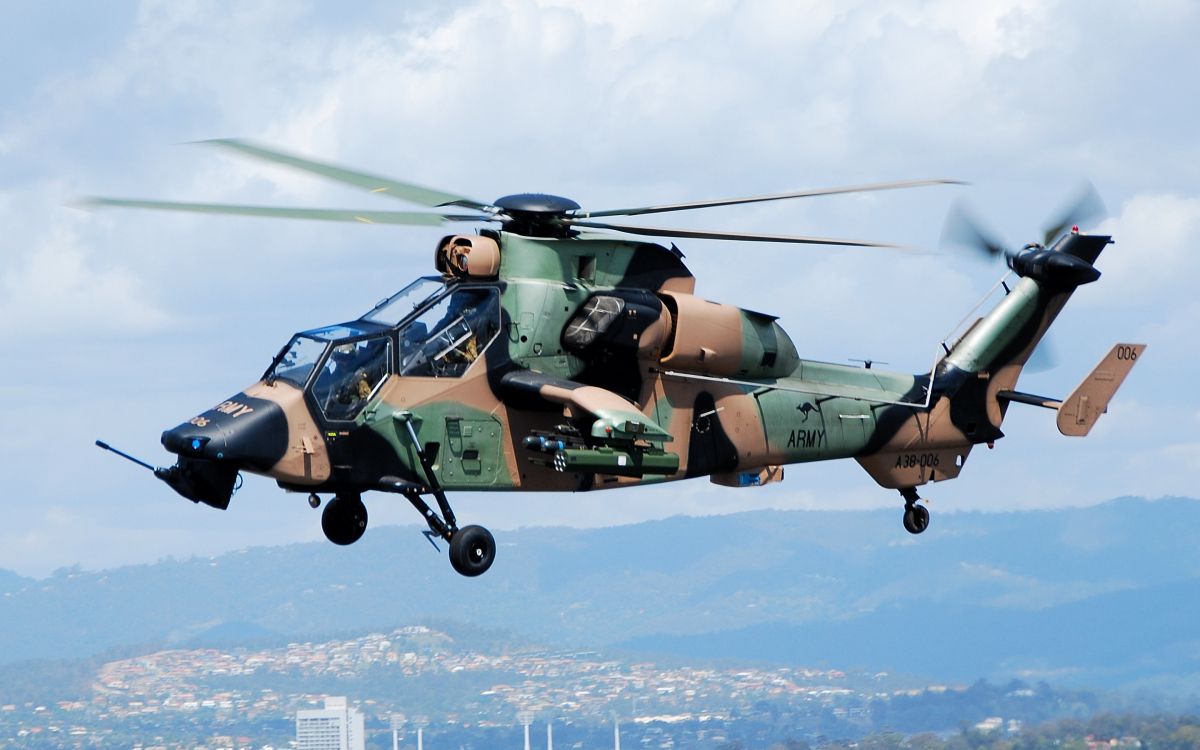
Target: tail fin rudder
x,y
1080,411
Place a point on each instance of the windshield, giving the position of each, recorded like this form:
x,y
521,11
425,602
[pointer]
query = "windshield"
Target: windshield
x,y
297,361
395,308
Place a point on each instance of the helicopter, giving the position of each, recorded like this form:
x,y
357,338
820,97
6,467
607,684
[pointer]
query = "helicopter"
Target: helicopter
x,y
561,352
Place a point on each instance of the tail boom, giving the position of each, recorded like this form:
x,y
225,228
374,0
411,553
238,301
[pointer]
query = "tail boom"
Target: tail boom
x,y
971,387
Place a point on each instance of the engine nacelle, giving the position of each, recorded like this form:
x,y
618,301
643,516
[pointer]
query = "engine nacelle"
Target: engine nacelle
x,y
722,340
617,324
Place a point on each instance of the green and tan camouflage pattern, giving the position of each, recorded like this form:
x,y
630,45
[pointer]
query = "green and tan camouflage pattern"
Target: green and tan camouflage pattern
x,y
720,388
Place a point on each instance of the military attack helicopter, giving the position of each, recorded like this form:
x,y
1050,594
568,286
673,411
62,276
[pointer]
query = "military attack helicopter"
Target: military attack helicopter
x,y
549,354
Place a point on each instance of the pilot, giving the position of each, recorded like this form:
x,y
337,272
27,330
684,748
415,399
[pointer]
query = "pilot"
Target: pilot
x,y
355,373
340,361
465,352
343,358
467,321
472,305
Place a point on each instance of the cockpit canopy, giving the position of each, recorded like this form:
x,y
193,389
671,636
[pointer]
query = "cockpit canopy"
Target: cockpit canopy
x,y
428,329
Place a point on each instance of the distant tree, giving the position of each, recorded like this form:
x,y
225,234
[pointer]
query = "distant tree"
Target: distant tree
x,y
886,741
1186,737
926,741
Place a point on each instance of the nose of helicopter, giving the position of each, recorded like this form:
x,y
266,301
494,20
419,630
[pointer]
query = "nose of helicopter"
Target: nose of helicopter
x,y
246,431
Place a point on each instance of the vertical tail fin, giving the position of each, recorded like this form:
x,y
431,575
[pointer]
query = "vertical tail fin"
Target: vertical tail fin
x,y
1080,410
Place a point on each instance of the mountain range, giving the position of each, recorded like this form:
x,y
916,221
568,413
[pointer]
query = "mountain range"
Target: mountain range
x,y
1107,595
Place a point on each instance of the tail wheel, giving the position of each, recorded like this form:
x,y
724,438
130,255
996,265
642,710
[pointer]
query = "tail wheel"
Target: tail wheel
x,y
916,518
344,519
472,550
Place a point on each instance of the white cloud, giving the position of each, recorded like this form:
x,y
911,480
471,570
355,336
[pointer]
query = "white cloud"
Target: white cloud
x,y
60,288
53,282
615,104
1155,247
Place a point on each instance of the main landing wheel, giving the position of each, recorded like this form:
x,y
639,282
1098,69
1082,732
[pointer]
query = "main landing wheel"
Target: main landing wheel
x,y
916,518
472,550
344,519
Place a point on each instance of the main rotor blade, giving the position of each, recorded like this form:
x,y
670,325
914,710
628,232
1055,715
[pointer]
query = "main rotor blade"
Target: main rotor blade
x,y
376,184
1086,205
739,236
412,218
765,198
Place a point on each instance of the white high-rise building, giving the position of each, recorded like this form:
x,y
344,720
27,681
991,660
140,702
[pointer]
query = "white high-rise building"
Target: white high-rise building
x,y
335,727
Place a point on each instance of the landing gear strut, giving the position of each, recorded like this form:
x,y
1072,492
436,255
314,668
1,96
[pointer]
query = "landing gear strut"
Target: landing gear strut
x,y
472,548
916,517
344,519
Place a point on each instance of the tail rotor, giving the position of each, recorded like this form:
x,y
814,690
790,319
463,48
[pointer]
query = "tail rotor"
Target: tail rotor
x,y
1052,261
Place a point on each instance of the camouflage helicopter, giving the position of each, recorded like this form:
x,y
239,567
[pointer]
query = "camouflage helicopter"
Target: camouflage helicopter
x,y
547,355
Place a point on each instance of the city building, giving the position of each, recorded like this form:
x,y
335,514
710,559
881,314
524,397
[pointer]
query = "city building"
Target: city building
x,y
335,727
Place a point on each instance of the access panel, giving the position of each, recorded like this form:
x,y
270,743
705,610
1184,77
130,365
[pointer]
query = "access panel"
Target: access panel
x,y
471,455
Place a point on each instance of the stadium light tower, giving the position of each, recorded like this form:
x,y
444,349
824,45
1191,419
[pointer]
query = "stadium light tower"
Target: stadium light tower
x,y
525,717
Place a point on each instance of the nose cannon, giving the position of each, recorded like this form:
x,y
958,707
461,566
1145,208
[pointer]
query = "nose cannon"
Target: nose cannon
x,y
242,432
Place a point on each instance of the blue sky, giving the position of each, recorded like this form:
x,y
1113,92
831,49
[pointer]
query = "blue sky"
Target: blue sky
x,y
121,324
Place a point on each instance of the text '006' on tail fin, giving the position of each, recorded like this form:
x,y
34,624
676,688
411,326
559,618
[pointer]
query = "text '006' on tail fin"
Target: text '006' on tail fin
x,y
1080,411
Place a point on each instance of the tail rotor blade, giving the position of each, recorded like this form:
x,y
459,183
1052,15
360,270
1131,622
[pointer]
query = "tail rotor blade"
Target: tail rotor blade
x,y
963,229
1083,208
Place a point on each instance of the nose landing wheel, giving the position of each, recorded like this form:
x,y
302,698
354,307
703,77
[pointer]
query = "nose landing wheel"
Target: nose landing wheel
x,y
916,517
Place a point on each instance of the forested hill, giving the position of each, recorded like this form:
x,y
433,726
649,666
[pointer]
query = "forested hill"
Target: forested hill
x,y
844,588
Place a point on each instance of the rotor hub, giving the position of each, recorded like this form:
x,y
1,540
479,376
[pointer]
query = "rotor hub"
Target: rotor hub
x,y
536,204
536,214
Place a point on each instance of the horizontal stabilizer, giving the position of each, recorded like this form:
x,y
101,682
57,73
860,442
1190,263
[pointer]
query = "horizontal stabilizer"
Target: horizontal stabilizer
x,y
1029,398
1080,411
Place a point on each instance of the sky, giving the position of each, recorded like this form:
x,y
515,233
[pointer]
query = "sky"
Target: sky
x,y
120,324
